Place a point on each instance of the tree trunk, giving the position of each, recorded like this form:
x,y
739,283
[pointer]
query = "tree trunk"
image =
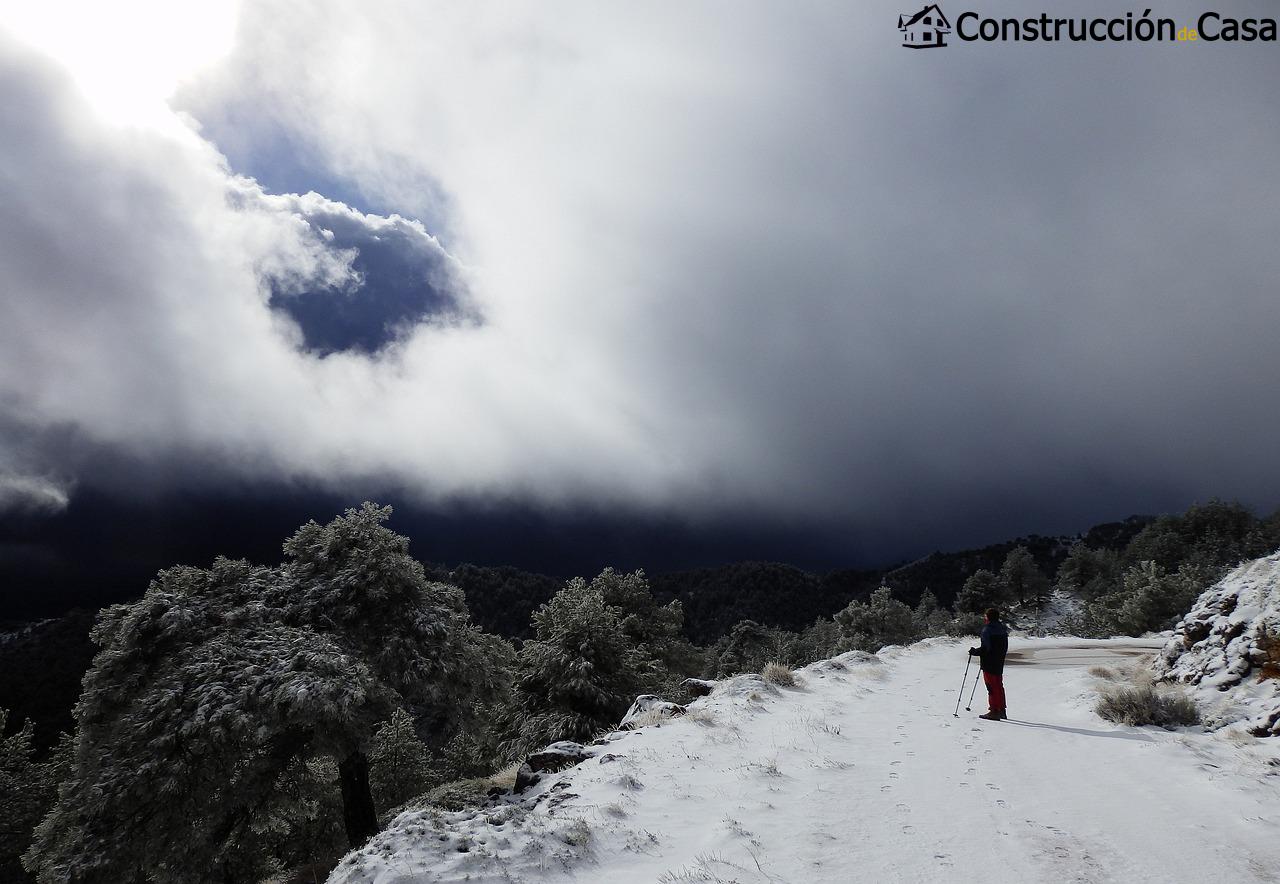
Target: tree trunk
x,y
357,800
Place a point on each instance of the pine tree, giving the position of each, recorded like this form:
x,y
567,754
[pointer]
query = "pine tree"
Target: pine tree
x,y
1089,573
580,674
654,629
981,591
213,684
748,647
929,617
399,763
882,620
27,789
1022,578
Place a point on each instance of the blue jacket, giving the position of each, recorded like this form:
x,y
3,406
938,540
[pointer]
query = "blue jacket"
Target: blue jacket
x,y
995,644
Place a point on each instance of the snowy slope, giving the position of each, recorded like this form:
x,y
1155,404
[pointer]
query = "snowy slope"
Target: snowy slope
x,y
862,774
1228,647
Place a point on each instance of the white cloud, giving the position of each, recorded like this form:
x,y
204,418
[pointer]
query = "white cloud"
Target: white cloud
x,y
757,259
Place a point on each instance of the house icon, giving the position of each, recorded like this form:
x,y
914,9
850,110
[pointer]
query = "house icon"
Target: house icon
x,y
927,29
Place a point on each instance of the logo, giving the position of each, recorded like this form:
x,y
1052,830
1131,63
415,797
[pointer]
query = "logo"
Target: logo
x,y
927,29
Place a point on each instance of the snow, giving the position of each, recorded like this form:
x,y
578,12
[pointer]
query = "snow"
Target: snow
x,y
1221,645
861,773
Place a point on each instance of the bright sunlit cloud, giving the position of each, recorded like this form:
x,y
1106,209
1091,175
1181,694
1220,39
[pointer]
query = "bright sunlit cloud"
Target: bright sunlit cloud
x,y
127,57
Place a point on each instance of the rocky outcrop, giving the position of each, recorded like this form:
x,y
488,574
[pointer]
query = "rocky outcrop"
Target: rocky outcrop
x,y
1228,649
649,709
552,759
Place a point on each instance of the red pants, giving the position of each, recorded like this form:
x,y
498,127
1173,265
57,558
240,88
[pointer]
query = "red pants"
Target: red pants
x,y
995,690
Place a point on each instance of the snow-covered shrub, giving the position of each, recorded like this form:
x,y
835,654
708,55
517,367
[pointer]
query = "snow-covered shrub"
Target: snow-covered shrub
x,y
1143,704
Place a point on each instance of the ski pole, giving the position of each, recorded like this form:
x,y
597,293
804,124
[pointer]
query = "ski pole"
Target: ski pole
x,y
974,691
968,660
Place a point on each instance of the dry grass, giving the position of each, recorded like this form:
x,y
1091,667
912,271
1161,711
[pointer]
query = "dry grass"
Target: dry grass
x,y
1102,672
1145,704
651,718
701,716
776,673
468,793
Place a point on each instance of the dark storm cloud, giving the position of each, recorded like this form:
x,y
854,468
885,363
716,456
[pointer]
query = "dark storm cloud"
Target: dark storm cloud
x,y
767,265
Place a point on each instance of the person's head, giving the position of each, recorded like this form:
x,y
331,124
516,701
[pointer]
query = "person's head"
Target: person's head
x,y
991,615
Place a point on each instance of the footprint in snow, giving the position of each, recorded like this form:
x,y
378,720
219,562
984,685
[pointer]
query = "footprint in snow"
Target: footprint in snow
x,y
893,776
885,788
1001,803
902,808
907,830
993,787
894,763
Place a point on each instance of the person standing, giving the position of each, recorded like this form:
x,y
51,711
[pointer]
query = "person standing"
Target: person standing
x,y
995,644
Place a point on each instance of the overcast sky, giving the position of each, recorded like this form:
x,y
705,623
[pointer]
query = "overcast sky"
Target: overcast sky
x,y
702,263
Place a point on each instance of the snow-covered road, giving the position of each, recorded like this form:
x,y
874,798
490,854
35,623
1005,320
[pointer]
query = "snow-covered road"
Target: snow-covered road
x,y
863,774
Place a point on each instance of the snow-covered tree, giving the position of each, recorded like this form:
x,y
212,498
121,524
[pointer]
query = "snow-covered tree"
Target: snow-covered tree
x,y
1022,577
654,629
981,591
1150,599
27,789
581,672
400,765
1089,573
208,688
749,646
930,618
881,620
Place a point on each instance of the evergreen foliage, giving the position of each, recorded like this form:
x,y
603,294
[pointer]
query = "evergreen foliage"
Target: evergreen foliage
x,y
880,621
1022,578
748,647
981,591
1150,599
1089,573
580,673
400,765
217,683
28,787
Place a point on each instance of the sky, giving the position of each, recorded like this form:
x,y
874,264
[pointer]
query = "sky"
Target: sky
x,y
653,285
